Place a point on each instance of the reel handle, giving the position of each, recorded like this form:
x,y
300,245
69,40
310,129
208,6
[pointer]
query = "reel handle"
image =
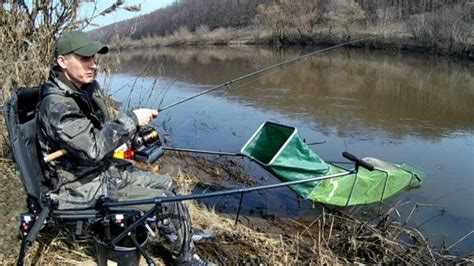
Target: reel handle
x,y
55,155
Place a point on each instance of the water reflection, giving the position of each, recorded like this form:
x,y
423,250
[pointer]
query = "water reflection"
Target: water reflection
x,y
349,90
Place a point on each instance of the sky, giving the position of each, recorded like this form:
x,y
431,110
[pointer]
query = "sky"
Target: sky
x,y
147,6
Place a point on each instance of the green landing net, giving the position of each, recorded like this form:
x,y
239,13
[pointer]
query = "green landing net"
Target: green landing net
x,y
280,150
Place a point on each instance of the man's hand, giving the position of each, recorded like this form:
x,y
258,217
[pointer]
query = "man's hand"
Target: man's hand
x,y
144,115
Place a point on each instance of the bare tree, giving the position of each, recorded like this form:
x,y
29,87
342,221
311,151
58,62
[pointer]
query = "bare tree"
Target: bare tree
x,y
189,13
27,34
345,13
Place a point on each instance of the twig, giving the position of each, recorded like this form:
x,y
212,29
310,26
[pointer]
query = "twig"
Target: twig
x,y
306,227
428,220
421,205
330,228
426,244
165,91
461,239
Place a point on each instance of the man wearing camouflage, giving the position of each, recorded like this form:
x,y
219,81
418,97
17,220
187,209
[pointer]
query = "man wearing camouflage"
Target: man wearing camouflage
x,y
73,116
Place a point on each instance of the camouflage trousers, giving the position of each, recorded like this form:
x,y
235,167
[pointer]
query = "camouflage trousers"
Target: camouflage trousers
x,y
125,182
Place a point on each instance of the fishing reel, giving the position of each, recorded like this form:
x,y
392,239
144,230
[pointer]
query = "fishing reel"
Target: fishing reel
x,y
147,137
147,145
144,147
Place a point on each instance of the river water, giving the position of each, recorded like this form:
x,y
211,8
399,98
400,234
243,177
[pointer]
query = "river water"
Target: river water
x,y
392,106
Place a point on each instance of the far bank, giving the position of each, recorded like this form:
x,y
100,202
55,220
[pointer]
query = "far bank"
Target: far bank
x,y
250,37
444,29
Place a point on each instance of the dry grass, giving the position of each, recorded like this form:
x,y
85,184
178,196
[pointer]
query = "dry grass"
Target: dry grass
x,y
24,57
201,36
236,243
332,238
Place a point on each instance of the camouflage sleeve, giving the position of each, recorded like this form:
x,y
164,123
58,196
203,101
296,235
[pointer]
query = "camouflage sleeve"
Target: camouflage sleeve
x,y
66,125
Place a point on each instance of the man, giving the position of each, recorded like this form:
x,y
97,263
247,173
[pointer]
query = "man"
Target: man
x,y
72,115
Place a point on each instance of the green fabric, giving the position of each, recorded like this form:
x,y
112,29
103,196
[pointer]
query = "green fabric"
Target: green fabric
x,y
368,187
80,43
293,161
280,150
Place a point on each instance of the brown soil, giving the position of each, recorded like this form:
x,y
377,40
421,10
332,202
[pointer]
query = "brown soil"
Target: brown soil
x,y
12,203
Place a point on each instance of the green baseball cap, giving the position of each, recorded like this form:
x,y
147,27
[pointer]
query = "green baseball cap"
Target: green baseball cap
x,y
80,43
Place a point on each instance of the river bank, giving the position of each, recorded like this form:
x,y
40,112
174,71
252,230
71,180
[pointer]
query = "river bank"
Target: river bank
x,y
446,31
333,237
236,38
441,27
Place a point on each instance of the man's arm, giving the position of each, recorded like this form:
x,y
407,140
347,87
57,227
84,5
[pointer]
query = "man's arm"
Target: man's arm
x,y
66,125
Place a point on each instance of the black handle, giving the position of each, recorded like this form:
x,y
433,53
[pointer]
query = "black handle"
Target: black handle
x,y
357,161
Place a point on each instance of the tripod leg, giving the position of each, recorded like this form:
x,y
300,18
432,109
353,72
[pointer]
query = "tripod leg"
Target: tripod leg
x,y
142,251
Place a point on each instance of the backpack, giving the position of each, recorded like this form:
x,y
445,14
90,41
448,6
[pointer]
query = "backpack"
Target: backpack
x,y
20,120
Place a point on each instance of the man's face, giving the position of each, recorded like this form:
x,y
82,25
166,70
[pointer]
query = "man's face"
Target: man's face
x,y
78,69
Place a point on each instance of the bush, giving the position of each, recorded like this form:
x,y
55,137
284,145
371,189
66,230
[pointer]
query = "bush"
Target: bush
x,y
345,13
448,29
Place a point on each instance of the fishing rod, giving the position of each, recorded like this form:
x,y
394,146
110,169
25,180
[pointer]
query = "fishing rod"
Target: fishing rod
x,y
57,154
290,61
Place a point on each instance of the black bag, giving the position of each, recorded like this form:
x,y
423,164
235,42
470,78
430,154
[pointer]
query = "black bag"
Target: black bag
x,y
19,113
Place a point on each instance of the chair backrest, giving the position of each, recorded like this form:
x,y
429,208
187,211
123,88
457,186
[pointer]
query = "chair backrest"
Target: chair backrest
x,y
20,119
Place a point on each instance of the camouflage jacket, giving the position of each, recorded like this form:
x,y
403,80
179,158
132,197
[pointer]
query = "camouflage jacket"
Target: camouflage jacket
x,y
77,120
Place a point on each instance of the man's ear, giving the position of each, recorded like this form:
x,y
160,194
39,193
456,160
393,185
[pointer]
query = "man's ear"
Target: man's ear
x,y
61,60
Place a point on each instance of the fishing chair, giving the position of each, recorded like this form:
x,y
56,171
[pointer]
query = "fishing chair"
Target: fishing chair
x,y
111,223
19,112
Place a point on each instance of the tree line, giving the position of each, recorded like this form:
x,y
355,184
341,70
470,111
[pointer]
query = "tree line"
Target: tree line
x,y
184,13
247,13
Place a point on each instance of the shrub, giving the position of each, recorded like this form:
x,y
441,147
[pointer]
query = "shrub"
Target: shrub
x,y
446,30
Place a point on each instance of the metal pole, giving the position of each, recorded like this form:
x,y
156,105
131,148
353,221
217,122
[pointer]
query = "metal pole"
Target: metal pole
x,y
220,193
132,227
202,151
238,210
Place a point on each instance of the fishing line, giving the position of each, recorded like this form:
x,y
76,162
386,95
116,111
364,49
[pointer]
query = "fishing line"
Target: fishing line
x,y
227,84
203,109
165,92
265,69
228,90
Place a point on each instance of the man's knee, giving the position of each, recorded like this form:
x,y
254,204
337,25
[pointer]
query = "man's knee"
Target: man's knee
x,y
150,179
